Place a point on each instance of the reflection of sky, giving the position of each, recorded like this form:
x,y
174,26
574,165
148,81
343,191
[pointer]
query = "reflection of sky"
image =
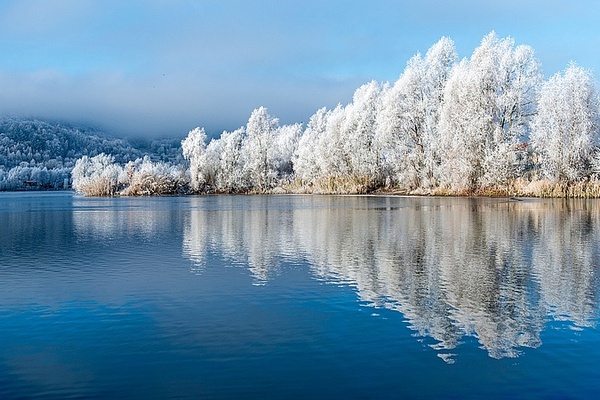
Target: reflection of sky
x,y
97,305
54,353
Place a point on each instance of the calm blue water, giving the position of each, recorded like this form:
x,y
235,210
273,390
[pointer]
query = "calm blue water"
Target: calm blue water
x,y
274,297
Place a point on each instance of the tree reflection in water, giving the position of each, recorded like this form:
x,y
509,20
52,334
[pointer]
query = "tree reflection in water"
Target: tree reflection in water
x,y
493,269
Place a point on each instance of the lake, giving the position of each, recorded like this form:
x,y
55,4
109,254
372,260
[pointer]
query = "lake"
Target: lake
x,y
280,296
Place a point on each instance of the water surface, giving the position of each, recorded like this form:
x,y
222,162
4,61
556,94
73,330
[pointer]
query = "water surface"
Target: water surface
x,y
298,297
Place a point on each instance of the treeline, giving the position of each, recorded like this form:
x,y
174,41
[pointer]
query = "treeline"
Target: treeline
x,y
488,124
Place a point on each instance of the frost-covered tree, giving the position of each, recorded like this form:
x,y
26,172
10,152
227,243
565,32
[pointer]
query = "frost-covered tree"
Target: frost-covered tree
x,y
211,164
143,177
439,61
287,138
332,152
361,150
101,176
229,176
408,120
194,149
307,160
258,152
566,126
97,176
520,78
488,105
254,157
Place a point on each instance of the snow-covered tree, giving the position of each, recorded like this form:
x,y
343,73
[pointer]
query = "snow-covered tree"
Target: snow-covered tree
x,y
254,157
97,176
566,126
101,176
287,138
257,151
307,160
143,177
488,105
229,176
194,148
408,121
332,152
360,147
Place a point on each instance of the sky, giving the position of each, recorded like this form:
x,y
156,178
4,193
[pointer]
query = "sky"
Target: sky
x,y
159,68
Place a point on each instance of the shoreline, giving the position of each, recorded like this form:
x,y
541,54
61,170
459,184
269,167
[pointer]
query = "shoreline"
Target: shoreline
x,y
587,189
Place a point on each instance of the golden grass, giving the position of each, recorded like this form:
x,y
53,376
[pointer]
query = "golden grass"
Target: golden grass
x,y
585,189
99,187
333,185
152,185
588,188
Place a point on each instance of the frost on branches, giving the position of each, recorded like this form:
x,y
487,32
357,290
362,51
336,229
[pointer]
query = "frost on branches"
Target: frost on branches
x,y
194,150
488,123
486,112
254,158
565,129
101,176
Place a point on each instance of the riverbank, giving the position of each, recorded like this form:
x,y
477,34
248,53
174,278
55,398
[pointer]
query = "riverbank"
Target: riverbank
x,y
157,179
542,188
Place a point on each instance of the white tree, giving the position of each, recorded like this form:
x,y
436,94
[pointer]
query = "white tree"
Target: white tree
x,y
230,177
408,121
488,106
193,148
566,126
257,151
332,152
360,146
143,177
97,176
322,153
519,80
287,138
307,162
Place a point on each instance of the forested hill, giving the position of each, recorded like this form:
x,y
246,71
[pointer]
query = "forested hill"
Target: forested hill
x,y
55,145
41,153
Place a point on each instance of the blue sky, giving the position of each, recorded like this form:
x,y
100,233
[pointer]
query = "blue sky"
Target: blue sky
x,y
162,67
